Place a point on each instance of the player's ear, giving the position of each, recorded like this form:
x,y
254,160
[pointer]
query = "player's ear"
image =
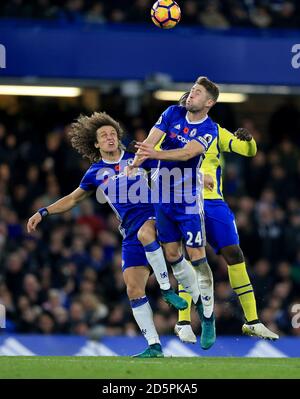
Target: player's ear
x,y
210,102
96,143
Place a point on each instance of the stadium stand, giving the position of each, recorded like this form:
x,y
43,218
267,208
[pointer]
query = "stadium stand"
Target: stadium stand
x,y
207,13
67,278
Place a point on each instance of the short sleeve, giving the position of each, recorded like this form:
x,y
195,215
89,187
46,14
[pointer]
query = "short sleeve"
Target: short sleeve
x,y
87,183
202,141
164,120
206,138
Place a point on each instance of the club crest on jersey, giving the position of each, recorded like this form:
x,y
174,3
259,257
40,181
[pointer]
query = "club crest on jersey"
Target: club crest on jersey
x,y
193,133
130,161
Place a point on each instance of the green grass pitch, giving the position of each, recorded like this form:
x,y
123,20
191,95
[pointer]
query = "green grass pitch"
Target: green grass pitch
x,y
125,367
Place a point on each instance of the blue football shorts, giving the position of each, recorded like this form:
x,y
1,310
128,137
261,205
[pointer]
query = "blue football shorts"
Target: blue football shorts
x,y
220,225
175,222
133,253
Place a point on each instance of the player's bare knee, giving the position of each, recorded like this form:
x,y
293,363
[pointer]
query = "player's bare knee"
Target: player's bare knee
x,y
141,235
134,291
172,251
233,254
146,235
172,256
196,253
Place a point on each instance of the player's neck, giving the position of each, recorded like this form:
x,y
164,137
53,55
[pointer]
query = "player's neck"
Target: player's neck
x,y
196,116
113,156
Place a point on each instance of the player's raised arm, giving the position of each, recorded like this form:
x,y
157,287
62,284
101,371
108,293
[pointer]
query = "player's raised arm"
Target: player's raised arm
x,y
190,150
62,205
156,133
240,142
154,136
151,141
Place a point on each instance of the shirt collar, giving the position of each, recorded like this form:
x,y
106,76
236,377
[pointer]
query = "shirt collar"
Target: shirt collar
x,y
113,162
195,122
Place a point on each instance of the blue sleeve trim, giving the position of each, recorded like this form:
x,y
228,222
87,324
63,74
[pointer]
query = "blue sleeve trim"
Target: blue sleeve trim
x,y
230,147
85,187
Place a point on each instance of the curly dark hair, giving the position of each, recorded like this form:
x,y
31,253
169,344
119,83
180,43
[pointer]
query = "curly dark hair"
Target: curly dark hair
x,y
83,134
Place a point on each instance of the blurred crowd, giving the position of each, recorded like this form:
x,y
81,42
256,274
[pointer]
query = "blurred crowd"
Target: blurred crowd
x,y
66,277
214,14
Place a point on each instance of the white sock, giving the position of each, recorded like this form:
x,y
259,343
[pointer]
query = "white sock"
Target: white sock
x,y
143,315
206,285
186,276
156,259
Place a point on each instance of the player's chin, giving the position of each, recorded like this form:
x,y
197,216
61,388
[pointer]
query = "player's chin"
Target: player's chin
x,y
191,108
111,148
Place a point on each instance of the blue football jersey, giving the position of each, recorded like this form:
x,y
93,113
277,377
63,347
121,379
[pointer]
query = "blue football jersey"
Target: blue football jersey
x,y
178,132
129,198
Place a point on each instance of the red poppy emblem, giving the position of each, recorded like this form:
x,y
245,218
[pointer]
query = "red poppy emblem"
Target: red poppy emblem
x,y
186,130
117,168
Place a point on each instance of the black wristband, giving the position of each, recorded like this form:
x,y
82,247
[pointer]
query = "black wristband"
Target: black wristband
x,y
43,212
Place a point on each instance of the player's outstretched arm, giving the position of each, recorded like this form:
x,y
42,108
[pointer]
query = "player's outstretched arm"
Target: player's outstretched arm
x,y
153,138
190,150
62,205
241,142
